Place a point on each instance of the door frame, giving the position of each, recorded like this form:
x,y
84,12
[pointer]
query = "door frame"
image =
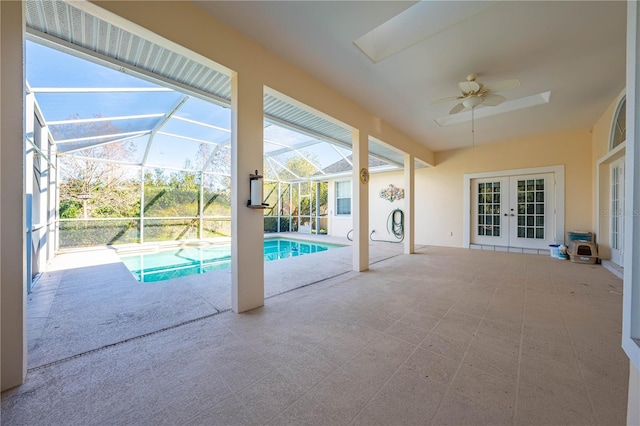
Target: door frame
x,y
618,259
603,198
559,197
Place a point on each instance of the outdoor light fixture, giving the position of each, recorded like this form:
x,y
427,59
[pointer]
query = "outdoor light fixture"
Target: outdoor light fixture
x,y
255,185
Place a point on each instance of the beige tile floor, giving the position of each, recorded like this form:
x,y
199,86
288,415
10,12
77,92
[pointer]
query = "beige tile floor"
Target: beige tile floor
x,y
445,336
89,299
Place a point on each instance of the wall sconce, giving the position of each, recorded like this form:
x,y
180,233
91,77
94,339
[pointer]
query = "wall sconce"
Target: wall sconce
x,y
255,186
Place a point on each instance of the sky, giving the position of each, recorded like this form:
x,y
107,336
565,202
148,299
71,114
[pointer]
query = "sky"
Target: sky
x,y
50,68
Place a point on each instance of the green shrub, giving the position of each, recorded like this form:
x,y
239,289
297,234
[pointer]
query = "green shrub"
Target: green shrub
x,y
70,209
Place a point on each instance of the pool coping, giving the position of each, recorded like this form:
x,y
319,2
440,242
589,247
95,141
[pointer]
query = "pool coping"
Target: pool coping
x,y
160,245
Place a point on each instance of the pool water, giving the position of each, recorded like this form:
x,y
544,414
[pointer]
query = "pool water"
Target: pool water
x,y
182,261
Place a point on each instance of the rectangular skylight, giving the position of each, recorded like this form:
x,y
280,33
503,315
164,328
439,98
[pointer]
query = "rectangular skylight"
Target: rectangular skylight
x,y
415,24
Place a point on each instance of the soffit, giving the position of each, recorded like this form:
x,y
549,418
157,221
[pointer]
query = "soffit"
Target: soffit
x,y
68,23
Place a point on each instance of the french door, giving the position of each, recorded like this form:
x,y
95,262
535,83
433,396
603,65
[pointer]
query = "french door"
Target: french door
x,y
513,211
617,212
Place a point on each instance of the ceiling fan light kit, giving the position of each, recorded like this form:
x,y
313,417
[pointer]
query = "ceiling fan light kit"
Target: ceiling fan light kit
x,y
472,101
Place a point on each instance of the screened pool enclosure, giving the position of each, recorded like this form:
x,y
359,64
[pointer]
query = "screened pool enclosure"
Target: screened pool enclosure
x,y
118,159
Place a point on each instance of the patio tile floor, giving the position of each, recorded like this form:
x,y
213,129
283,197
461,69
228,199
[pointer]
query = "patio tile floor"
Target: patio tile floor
x,y
445,336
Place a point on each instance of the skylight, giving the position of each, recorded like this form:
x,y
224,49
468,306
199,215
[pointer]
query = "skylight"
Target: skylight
x,y
415,24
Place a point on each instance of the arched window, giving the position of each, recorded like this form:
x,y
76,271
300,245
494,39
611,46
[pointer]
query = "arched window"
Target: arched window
x,y
619,127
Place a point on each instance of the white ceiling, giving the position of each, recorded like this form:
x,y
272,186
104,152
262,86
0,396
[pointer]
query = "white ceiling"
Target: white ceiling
x,y
574,49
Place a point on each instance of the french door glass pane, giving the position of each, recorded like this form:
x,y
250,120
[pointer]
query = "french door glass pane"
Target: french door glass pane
x,y
531,207
617,207
489,209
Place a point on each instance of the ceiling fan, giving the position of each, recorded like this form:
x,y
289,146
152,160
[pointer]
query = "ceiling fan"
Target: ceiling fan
x,y
475,94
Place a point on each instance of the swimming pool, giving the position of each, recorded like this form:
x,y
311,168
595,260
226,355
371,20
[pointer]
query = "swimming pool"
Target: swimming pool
x,y
189,260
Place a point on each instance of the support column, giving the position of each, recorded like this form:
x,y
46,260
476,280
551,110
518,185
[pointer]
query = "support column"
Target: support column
x,y
631,298
142,206
631,292
30,198
409,204
316,216
201,208
279,205
247,225
360,202
12,221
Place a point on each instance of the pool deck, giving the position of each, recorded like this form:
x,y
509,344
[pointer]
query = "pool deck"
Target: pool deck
x,y
88,299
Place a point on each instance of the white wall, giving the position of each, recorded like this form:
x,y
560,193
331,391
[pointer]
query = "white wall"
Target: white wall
x,y
339,225
379,208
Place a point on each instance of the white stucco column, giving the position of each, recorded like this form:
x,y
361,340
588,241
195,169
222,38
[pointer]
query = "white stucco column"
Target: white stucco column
x,y
12,224
247,225
360,202
409,204
631,293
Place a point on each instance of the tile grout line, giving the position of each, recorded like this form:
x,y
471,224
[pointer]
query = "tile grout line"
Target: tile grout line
x,y
309,284
448,390
332,372
417,346
337,367
575,354
517,392
351,358
355,417
232,393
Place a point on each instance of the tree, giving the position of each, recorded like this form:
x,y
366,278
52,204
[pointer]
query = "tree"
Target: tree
x,y
93,178
303,166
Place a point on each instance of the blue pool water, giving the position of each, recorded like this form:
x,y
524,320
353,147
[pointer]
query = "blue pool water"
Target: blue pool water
x,y
181,261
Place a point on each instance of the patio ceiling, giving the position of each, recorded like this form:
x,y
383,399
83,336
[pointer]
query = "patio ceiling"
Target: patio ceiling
x,y
189,106
418,52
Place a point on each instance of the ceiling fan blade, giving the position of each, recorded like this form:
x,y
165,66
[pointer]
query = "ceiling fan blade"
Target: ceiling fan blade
x,y
456,109
443,100
503,85
469,86
491,99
